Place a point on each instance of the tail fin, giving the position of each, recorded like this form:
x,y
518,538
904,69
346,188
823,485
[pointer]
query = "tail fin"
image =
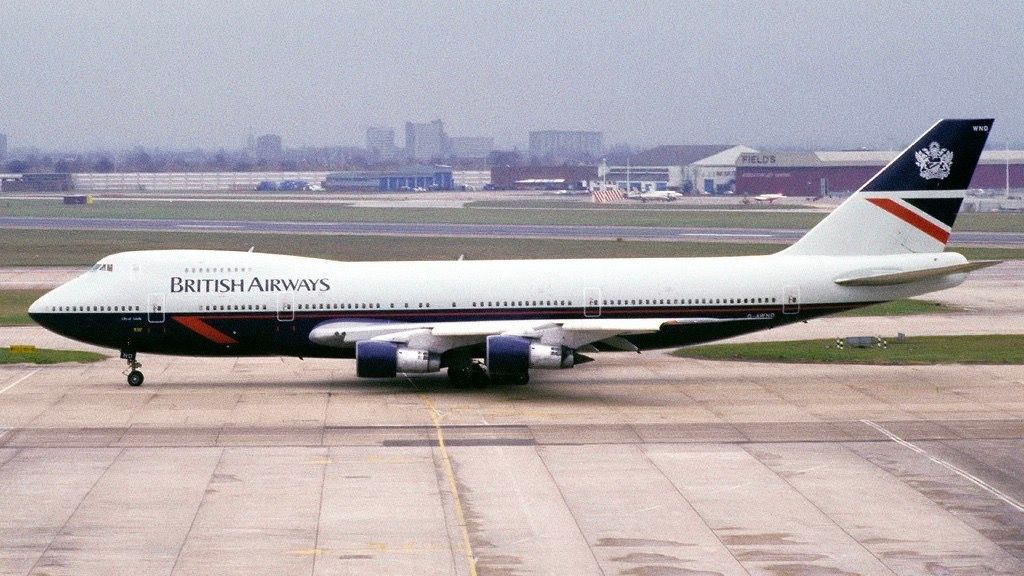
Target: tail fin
x,y
911,204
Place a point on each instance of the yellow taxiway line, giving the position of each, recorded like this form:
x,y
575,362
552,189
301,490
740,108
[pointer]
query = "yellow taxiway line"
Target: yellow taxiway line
x,y
435,417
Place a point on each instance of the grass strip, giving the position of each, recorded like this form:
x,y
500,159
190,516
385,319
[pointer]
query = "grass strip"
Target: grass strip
x,y
14,306
904,307
85,247
985,349
47,356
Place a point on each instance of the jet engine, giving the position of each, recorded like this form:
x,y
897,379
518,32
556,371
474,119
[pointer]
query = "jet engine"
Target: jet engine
x,y
516,355
375,359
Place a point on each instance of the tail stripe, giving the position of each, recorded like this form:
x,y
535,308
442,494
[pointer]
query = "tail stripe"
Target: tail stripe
x,y
911,217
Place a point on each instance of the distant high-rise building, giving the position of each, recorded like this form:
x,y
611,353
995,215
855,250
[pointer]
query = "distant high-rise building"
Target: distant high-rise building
x,y
470,146
424,142
561,145
3,146
268,146
380,142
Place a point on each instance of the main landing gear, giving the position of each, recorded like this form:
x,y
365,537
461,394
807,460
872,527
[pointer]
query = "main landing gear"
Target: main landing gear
x,y
135,377
466,372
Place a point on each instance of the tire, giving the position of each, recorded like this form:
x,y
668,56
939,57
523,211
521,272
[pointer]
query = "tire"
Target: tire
x,y
135,378
460,375
479,377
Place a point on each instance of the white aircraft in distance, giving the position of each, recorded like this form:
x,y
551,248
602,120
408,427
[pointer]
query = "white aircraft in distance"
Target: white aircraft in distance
x,y
769,198
885,242
655,195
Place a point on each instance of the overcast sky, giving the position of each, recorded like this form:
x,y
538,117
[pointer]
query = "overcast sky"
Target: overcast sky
x,y
179,74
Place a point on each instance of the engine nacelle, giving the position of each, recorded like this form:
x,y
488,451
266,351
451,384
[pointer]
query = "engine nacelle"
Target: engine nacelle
x,y
515,355
376,359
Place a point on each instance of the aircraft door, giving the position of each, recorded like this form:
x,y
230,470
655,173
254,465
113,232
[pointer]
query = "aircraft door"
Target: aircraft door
x,y
285,306
155,307
591,302
791,300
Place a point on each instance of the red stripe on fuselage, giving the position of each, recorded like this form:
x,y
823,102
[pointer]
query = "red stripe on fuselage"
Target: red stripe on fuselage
x,y
910,217
205,330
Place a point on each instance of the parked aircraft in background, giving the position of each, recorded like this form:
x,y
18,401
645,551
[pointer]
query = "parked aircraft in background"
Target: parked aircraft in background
x,y
769,198
498,320
654,196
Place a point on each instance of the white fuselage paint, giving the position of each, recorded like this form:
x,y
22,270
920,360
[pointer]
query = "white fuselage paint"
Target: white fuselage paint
x,y
193,281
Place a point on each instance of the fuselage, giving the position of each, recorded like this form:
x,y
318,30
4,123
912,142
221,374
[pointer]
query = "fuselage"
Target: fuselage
x,y
197,302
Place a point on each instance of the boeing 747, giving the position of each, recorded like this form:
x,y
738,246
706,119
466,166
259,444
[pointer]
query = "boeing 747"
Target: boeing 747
x,y
500,320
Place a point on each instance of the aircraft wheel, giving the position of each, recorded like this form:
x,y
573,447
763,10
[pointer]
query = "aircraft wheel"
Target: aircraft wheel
x,y
478,376
460,375
468,375
135,378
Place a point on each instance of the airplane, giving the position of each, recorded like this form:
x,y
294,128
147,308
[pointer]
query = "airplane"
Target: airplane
x,y
662,195
769,198
497,321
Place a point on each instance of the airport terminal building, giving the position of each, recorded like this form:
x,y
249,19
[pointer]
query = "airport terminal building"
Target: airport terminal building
x,y
842,172
403,179
700,168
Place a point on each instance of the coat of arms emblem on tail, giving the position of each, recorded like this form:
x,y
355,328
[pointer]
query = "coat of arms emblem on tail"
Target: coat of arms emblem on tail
x,y
934,161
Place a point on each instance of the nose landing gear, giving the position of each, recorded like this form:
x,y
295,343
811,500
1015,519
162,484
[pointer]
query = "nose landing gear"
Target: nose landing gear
x,y
135,377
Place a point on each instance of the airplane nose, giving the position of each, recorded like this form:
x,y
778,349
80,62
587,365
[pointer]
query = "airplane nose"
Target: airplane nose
x,y
37,310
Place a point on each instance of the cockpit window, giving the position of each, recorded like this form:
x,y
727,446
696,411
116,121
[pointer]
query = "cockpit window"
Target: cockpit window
x,y
103,268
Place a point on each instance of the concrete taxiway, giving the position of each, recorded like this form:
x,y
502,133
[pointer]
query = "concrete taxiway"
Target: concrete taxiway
x,y
634,466
639,465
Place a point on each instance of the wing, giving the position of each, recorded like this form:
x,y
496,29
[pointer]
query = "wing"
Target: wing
x,y
443,336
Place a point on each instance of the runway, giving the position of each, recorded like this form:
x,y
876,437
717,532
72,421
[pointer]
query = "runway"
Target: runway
x,y
754,235
639,465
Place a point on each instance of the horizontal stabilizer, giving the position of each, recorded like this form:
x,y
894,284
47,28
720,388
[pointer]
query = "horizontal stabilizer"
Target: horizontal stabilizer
x,y
889,278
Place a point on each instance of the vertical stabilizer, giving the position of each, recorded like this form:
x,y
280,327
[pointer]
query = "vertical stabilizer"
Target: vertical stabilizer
x,y
910,206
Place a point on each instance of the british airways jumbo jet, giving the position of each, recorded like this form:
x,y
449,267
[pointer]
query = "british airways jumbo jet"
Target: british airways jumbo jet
x,y
498,320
